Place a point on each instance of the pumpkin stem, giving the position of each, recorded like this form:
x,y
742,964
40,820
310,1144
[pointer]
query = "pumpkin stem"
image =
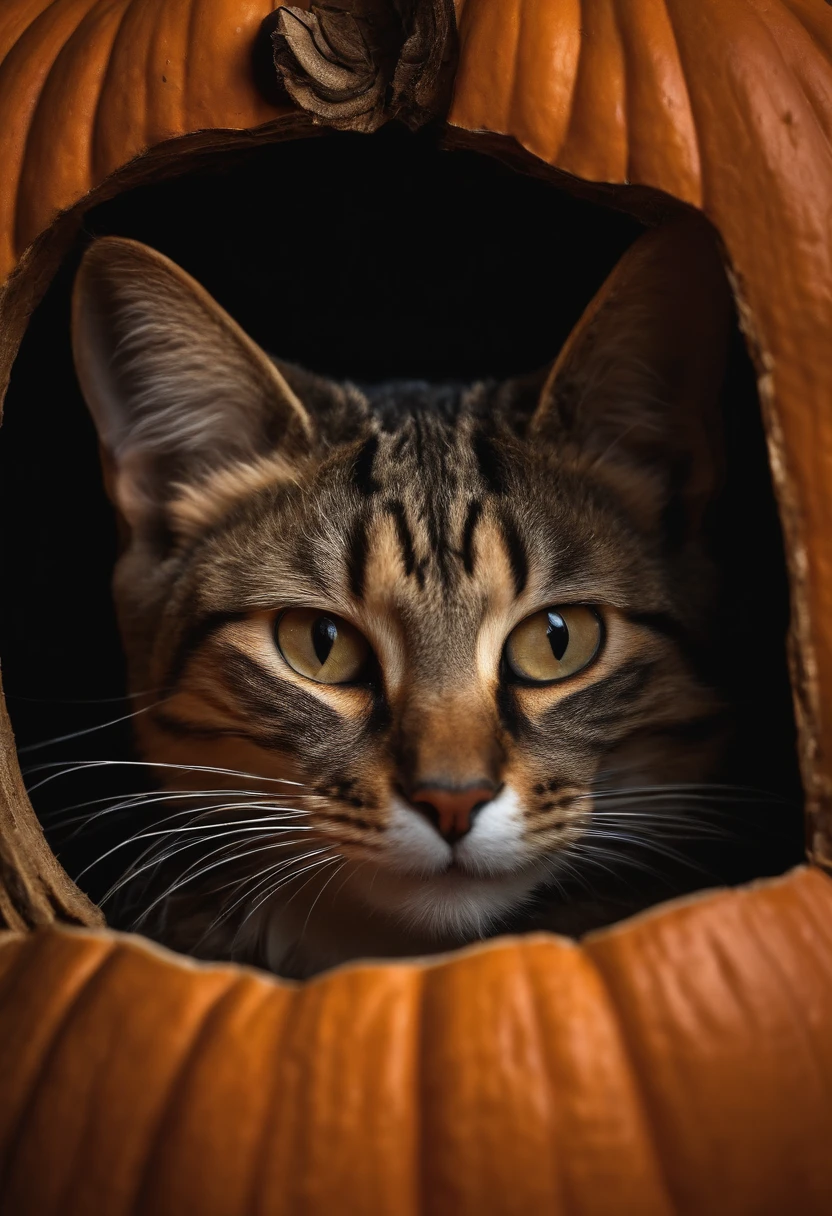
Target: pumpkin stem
x,y
356,64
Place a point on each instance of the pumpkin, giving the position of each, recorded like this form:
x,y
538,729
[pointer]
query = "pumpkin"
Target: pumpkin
x,y
679,1062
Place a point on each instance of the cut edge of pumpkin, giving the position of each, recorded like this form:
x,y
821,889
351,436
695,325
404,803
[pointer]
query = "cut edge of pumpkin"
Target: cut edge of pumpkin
x,y
801,877
35,890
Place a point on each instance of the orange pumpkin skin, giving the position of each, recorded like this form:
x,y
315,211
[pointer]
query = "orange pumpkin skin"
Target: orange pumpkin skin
x,y
87,85
680,1063
676,1064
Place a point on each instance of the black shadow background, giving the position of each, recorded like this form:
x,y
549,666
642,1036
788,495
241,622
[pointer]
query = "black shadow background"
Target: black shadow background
x,y
365,257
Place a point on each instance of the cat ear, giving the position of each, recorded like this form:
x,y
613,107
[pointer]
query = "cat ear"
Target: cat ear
x,y
635,391
176,389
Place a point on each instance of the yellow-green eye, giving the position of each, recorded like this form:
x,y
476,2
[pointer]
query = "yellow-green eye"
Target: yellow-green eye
x,y
554,644
320,646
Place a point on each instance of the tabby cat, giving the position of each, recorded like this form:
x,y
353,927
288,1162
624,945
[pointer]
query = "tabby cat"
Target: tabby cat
x,y
401,653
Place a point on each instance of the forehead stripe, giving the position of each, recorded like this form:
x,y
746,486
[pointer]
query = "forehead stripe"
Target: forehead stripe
x,y
396,508
517,555
468,530
362,470
489,463
356,556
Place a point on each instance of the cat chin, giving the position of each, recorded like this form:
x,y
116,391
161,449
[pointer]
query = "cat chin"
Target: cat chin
x,y
453,906
418,896
379,914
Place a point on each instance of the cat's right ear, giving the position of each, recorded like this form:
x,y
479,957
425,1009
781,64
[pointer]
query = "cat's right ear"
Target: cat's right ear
x,y
176,389
634,394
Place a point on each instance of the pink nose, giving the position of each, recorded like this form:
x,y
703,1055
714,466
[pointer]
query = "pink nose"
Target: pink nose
x,y
451,808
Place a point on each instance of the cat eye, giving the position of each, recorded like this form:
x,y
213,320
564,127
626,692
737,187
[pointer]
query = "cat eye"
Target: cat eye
x,y
554,644
320,646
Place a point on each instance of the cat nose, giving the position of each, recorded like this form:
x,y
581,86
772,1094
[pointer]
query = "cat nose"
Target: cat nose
x,y
451,808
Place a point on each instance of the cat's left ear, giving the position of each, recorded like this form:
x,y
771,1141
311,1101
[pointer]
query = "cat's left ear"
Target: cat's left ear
x,y
634,395
177,390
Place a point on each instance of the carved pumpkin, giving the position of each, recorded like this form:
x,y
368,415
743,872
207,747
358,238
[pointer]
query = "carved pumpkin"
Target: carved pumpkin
x,y
680,1062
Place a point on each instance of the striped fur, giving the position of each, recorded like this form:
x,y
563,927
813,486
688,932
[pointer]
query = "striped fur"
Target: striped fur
x,y
435,519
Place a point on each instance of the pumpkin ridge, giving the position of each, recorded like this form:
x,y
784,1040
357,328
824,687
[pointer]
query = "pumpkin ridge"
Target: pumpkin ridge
x,y
122,1026
515,51
11,956
98,171
271,1106
650,1115
797,1015
24,69
809,906
687,183
699,1008
578,153
627,88
167,1108
795,64
17,22
253,1020
560,1183
807,14
96,34
94,979
420,1049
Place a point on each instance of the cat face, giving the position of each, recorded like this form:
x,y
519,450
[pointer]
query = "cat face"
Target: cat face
x,y
454,615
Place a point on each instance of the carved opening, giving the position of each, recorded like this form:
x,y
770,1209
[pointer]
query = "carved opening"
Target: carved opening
x,y
370,258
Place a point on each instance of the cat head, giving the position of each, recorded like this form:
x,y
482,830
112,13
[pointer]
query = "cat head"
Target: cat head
x,y
452,614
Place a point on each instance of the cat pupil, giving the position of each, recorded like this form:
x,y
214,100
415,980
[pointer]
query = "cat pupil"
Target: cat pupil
x,y
558,634
437,511
324,633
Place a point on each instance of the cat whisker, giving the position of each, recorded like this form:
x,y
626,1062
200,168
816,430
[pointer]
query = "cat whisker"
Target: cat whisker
x,y
202,817
127,696
84,765
346,879
272,890
609,781
557,866
85,821
245,825
563,861
705,814
310,869
88,730
160,857
591,855
243,885
142,797
690,791
235,828
312,906
652,846
197,871
682,828
324,856
571,850
626,859
258,881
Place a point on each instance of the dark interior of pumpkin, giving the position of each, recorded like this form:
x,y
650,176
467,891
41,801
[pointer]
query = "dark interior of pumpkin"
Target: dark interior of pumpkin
x,y
371,258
